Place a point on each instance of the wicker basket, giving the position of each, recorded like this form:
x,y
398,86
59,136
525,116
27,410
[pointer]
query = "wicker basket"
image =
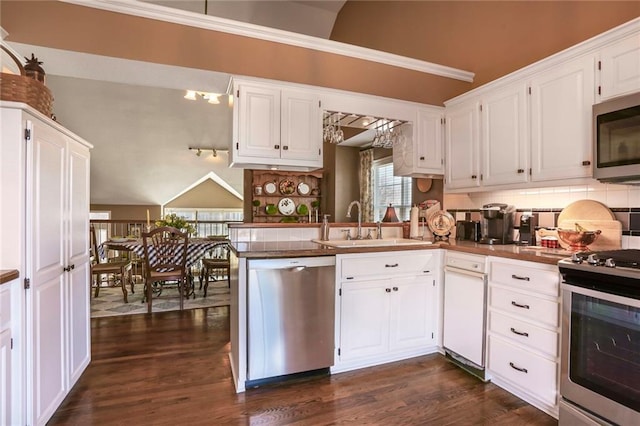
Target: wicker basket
x,y
20,88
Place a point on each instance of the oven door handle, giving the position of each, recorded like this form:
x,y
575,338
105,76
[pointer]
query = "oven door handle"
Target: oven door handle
x,y
602,295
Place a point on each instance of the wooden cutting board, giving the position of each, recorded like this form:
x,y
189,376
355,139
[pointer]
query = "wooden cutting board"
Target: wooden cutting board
x,y
609,239
586,210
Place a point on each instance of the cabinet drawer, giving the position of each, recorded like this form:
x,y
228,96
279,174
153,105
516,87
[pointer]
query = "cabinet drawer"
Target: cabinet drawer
x,y
524,306
538,338
541,280
530,372
388,264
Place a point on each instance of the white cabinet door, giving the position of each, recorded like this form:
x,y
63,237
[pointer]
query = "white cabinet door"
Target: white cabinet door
x,y
258,121
561,102
301,126
424,153
79,332
462,145
504,136
428,152
364,326
620,68
412,312
46,239
5,377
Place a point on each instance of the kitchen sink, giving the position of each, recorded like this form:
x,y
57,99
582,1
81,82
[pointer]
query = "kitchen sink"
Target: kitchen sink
x,y
372,243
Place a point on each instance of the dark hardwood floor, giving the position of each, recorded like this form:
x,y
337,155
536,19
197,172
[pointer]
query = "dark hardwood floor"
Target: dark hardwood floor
x,y
172,368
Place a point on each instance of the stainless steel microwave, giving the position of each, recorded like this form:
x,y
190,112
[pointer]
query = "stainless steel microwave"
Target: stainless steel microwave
x,y
616,140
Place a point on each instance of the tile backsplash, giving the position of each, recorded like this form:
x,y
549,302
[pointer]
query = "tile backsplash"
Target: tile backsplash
x,y
548,202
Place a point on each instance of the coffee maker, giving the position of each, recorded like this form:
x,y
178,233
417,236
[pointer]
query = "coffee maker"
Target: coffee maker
x,y
497,223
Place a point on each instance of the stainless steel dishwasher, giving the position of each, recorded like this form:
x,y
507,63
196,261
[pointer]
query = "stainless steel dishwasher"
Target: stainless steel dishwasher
x,y
290,315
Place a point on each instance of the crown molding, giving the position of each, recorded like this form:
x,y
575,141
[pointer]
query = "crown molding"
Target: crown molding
x,y
176,16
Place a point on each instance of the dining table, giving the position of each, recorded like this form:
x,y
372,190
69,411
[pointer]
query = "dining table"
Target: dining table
x,y
197,248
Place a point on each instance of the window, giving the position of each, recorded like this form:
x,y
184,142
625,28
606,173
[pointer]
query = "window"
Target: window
x,y
390,189
208,221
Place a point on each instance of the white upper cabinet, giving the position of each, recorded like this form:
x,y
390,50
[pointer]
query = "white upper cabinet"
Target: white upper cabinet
x,y
423,154
463,145
503,120
534,126
276,127
301,131
561,104
619,67
258,122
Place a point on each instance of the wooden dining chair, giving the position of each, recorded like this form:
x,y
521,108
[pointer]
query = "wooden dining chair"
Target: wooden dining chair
x,y
165,259
100,266
216,267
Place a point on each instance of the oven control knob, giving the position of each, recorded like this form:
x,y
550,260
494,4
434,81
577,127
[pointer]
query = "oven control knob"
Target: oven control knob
x,y
576,258
592,259
610,263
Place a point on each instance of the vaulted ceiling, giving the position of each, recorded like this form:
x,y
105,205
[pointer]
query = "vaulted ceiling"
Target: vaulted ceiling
x,y
489,39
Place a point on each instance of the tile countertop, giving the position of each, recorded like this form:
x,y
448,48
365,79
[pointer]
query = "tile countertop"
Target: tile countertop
x,y
276,249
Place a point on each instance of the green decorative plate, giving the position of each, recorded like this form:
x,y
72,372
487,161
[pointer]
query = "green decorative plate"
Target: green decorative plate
x,y
271,209
302,209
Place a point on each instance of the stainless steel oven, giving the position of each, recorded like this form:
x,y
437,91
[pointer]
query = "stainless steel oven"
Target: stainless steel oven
x,y
600,351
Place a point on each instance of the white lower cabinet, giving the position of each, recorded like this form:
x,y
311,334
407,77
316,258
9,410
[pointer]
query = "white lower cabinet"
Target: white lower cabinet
x,y
523,330
386,317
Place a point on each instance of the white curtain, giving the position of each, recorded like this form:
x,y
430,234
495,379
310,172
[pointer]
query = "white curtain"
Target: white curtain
x,y
366,184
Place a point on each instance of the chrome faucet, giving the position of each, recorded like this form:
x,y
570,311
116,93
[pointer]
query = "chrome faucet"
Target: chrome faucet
x,y
357,203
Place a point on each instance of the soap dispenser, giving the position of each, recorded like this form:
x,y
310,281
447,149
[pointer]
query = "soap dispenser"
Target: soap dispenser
x,y
324,229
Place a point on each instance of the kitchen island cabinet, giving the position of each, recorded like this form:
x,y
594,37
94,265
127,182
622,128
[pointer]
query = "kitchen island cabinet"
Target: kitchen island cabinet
x,y
387,307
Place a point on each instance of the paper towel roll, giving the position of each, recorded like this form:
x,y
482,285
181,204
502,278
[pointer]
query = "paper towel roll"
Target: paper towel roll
x,y
413,226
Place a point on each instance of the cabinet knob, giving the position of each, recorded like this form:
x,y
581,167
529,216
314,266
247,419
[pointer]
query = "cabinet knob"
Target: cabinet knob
x,y
474,176
285,147
276,147
421,158
520,170
586,163
388,290
395,289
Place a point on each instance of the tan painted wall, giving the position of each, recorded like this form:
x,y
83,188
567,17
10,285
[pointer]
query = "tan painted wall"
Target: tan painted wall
x,y
208,194
129,212
489,38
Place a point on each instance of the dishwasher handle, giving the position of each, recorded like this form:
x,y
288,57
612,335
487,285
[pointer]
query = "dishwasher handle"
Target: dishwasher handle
x,y
474,274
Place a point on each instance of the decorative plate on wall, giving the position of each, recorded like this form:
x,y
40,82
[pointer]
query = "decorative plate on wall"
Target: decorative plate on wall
x,y
286,206
287,187
303,189
271,209
270,188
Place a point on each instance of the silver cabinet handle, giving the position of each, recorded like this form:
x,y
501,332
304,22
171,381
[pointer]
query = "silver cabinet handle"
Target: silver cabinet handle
x,y
517,305
518,277
523,370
